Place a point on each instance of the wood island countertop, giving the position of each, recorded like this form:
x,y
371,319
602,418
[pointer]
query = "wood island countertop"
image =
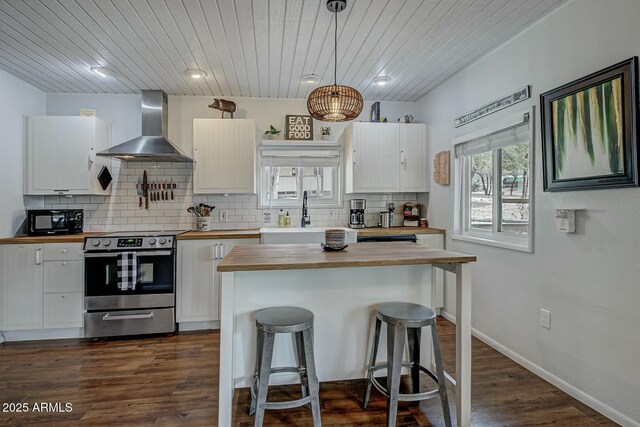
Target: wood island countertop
x,y
300,257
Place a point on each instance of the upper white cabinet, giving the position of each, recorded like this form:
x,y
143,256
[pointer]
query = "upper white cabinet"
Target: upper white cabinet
x,y
224,152
61,155
386,158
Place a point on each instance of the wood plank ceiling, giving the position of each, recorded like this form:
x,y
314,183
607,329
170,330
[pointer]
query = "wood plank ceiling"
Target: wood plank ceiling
x,y
258,48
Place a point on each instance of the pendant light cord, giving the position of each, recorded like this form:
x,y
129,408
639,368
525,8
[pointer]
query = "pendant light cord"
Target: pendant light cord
x,y
335,50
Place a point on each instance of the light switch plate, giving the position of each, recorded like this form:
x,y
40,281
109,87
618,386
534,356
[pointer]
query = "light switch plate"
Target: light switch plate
x,y
545,318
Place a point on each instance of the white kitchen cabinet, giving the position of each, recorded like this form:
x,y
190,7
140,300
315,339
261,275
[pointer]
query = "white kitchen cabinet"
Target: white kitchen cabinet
x,y
224,153
198,289
435,241
63,310
21,282
61,155
385,158
63,302
414,176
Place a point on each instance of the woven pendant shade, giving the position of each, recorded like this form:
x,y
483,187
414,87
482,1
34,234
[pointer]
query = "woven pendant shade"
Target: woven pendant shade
x,y
335,103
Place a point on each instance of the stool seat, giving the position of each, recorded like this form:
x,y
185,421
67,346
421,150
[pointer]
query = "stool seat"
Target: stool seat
x,y
284,320
410,315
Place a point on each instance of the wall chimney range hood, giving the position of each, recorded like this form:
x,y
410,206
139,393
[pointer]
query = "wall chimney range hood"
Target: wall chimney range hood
x,y
153,145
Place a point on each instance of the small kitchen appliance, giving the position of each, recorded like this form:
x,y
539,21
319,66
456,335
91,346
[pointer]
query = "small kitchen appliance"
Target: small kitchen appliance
x,y
130,284
356,216
45,222
411,212
386,217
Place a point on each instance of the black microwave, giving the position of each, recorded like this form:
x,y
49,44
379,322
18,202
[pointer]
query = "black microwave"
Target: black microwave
x,y
46,222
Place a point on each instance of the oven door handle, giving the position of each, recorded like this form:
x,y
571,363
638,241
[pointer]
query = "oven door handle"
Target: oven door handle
x,y
110,316
117,254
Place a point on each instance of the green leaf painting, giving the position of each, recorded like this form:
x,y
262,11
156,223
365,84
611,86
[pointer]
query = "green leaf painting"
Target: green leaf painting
x,y
587,132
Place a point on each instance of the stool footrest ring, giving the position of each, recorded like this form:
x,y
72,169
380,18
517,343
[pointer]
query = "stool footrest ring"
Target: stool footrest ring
x,y
405,397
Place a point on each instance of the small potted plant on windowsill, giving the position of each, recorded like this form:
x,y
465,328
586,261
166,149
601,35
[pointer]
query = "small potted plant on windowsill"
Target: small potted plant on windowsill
x,y
271,132
325,132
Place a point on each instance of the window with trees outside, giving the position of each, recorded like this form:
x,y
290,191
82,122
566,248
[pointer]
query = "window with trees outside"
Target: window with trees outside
x,y
286,174
493,182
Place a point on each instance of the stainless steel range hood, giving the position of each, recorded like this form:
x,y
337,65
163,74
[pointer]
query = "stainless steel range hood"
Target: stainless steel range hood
x,y
153,145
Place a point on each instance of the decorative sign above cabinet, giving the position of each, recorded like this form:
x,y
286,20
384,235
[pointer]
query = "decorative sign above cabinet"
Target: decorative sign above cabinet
x,y
299,128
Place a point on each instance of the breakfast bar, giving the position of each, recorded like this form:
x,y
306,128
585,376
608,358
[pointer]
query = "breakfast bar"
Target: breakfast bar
x,y
342,289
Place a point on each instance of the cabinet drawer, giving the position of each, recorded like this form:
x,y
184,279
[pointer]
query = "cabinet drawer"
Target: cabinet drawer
x,y
63,310
63,251
63,276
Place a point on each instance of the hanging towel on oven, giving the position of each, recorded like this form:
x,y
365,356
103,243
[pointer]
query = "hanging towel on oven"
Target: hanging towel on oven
x,y
128,271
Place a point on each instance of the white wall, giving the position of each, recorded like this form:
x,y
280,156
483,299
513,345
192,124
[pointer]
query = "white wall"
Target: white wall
x,y
120,211
19,100
589,280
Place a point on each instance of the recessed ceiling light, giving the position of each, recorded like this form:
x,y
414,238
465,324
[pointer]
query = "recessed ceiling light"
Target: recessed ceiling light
x,y
103,72
381,80
194,73
310,78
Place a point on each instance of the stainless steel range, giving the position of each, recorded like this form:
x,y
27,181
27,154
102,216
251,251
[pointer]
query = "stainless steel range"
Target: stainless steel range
x,y
130,283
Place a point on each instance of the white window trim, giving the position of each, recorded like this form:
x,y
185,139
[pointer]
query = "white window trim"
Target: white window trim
x,y
264,203
500,240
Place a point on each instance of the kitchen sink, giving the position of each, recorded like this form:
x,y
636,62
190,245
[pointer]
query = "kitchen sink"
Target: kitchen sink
x,y
271,236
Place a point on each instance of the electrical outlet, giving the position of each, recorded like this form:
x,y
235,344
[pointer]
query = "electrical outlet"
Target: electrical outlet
x,y
266,218
223,216
566,220
545,318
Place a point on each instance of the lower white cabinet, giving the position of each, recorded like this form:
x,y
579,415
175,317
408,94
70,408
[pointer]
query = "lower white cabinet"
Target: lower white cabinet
x,y
63,310
198,288
21,283
435,241
41,286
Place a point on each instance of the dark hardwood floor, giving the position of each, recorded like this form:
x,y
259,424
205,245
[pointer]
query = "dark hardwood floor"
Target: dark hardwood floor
x,y
174,380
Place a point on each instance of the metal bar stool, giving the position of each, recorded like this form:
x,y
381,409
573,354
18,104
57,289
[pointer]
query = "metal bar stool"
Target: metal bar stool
x,y
285,320
406,318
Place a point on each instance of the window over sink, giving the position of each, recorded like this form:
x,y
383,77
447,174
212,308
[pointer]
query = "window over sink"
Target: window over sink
x,y
286,172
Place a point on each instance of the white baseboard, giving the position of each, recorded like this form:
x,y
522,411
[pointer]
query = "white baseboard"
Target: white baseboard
x,y
570,389
43,334
198,326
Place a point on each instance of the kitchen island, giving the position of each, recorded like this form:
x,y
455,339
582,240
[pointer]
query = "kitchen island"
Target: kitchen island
x,y
342,289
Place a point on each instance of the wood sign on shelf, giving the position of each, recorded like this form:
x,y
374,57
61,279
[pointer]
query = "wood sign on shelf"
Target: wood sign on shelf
x,y
299,127
441,168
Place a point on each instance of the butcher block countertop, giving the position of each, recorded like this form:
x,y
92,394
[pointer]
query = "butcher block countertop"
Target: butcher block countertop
x,y
62,238
300,257
379,231
220,234
213,234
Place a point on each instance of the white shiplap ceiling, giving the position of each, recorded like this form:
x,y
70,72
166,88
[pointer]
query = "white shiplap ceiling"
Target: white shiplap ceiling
x,y
258,48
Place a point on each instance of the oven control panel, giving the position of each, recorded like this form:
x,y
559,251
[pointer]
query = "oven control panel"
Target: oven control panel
x,y
130,243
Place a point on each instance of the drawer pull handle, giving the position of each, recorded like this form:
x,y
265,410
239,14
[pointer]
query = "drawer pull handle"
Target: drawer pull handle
x,y
109,316
64,251
64,263
64,296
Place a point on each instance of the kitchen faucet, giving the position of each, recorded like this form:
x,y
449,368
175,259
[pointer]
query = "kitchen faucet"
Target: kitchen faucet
x,y
306,219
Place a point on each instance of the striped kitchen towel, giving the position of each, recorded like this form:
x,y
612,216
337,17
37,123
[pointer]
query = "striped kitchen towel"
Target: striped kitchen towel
x,y
128,271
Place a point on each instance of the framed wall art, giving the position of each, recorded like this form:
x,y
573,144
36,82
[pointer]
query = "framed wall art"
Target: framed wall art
x,y
590,131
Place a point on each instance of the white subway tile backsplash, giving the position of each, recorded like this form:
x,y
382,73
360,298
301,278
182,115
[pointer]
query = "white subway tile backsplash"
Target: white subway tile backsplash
x,y
120,210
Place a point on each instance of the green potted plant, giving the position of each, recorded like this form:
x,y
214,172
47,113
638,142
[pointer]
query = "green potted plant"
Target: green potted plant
x,y
325,132
271,132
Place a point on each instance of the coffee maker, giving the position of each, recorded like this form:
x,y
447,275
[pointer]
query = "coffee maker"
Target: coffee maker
x,y
356,216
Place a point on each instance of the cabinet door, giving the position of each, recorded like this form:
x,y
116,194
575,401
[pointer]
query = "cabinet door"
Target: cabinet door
x,y
58,155
63,276
375,158
196,293
63,310
21,277
413,158
224,153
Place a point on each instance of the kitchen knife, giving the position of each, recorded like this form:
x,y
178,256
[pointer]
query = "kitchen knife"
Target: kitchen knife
x,y
172,186
145,190
139,189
